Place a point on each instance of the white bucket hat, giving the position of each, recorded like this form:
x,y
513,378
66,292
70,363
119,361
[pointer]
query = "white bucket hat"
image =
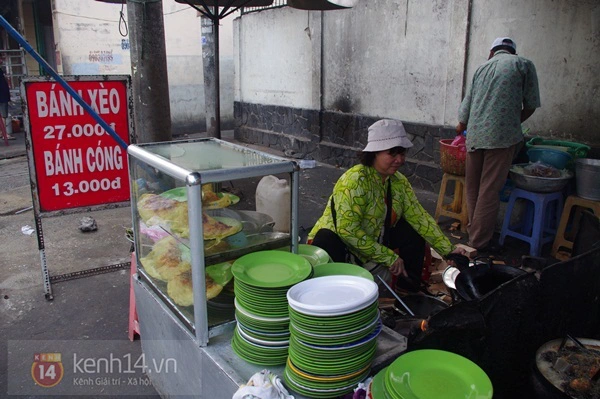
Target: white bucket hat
x,y
504,41
386,134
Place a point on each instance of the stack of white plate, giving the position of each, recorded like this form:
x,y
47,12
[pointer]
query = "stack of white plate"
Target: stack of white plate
x,y
262,280
334,323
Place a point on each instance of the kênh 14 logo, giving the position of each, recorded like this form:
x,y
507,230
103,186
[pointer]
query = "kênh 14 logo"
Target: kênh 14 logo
x,y
47,369
126,364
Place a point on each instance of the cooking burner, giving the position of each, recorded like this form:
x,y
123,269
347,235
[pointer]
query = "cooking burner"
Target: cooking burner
x,y
568,370
423,306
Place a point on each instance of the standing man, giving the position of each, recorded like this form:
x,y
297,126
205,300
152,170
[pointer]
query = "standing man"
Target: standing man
x,y
4,100
503,94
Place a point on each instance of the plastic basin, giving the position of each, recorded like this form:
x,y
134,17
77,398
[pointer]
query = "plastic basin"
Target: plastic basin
x,y
577,150
538,184
558,159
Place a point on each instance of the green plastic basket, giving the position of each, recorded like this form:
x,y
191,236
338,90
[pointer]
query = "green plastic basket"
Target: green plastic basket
x,y
575,149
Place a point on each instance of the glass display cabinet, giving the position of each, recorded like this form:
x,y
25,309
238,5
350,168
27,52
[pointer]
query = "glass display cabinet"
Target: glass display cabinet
x,y
188,231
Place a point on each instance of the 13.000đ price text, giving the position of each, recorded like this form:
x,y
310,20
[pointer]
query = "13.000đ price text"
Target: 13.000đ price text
x,y
84,186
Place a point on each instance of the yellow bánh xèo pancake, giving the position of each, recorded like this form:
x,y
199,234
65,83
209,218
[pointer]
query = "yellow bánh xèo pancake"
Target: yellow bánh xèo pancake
x,y
215,228
180,289
212,200
208,195
166,260
155,209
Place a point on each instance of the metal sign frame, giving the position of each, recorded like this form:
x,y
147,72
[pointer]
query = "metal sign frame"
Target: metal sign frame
x,y
30,140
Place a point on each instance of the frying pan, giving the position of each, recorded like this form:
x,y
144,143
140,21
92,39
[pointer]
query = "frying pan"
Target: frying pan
x,y
478,280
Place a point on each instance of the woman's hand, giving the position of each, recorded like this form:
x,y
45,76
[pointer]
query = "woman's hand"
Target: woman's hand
x,y
397,268
458,258
460,128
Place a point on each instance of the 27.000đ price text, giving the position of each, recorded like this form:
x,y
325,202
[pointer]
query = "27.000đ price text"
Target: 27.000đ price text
x,y
84,186
88,130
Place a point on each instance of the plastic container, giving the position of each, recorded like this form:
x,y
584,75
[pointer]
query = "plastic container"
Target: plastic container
x,y
558,159
460,139
273,199
307,163
587,177
452,158
575,149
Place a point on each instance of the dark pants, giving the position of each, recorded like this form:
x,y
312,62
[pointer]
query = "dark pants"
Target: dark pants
x,y
409,245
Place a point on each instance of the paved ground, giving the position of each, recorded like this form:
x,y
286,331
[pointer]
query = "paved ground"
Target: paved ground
x,y
91,314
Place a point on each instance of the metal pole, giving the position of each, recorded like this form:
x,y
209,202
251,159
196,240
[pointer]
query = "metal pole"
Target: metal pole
x,y
152,116
17,36
42,251
217,78
210,62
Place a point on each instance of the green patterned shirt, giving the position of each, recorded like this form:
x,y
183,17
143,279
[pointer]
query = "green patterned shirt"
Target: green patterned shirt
x,y
359,197
500,89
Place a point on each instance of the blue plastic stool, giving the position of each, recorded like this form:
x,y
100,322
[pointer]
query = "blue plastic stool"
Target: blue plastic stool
x,y
540,221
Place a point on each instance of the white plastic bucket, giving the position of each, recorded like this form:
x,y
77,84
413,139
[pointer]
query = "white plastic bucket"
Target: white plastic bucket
x,y
273,199
587,174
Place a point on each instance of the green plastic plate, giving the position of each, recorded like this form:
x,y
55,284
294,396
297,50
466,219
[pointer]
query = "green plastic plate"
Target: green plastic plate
x,y
315,255
220,273
271,269
377,386
432,374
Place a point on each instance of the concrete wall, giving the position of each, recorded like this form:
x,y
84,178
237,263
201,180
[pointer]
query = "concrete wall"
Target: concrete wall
x,y
89,42
562,38
395,60
275,58
411,61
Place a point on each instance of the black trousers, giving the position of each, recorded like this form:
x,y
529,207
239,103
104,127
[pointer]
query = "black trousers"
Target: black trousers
x,y
403,238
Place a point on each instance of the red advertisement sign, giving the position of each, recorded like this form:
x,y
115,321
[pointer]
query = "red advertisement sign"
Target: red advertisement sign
x,y
77,163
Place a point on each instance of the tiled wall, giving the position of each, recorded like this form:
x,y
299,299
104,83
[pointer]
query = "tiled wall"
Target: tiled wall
x,y
336,138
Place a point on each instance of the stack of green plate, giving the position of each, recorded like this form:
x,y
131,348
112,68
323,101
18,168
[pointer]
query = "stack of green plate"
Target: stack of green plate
x,y
259,301
262,280
334,330
258,323
431,374
249,350
315,255
334,324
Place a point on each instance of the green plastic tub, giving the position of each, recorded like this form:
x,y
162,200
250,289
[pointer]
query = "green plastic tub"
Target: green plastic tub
x,y
575,149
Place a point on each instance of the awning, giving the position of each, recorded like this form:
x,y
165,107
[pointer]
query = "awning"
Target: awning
x,y
228,3
210,3
321,4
